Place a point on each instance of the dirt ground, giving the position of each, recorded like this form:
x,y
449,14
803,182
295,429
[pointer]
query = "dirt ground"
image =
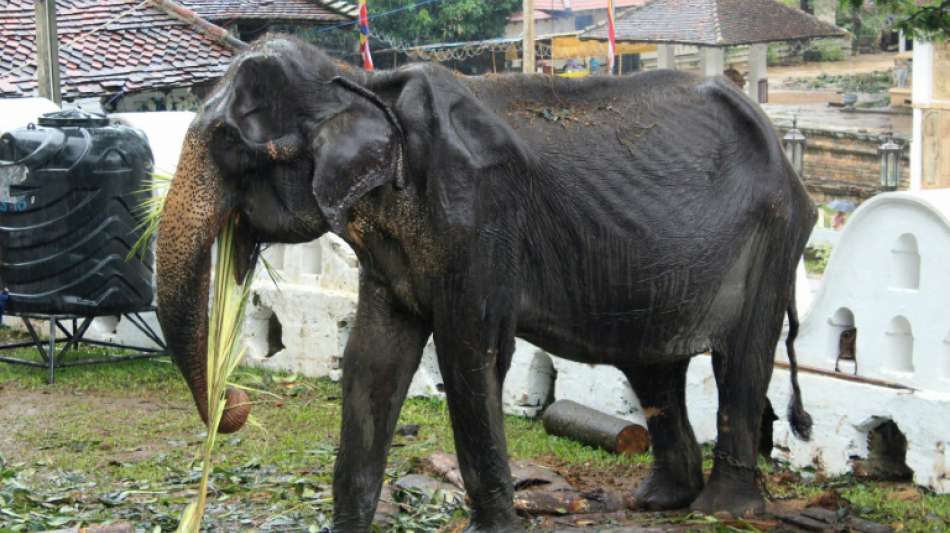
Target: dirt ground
x,y
785,82
859,64
43,414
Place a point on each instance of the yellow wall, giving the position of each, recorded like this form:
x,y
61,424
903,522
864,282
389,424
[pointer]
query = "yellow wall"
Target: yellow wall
x,y
570,46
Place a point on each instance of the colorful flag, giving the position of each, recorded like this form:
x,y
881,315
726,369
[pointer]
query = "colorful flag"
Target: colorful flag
x,y
612,37
364,37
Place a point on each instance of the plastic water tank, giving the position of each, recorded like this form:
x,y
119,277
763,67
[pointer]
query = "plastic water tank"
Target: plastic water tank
x,y
70,190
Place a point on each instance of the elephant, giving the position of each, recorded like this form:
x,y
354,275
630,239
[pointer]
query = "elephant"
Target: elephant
x,y
633,221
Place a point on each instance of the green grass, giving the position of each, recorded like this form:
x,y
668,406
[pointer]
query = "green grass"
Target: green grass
x,y
118,442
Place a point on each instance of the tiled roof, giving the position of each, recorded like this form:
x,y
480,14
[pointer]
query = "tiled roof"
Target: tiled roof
x,y
543,9
715,23
136,47
225,11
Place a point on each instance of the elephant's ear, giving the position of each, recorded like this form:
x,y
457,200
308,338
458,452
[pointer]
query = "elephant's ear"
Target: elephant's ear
x,y
355,151
455,143
263,108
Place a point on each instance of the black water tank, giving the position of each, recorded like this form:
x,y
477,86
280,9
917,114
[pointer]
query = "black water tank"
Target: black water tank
x,y
69,195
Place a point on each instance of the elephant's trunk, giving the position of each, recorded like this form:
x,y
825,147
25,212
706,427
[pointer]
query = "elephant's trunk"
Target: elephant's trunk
x,y
196,207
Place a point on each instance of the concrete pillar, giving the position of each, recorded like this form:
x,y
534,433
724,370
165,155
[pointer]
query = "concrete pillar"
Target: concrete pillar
x,y
712,60
758,68
666,56
901,42
922,97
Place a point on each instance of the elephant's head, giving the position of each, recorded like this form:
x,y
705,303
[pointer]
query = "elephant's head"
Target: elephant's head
x,y
285,145
289,143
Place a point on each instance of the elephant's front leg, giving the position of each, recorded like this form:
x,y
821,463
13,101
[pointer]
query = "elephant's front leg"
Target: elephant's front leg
x,y
381,357
474,357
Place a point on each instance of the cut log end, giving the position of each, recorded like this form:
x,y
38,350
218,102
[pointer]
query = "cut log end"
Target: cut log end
x,y
633,440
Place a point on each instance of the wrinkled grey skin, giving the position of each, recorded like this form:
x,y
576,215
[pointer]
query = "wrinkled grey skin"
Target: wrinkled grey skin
x,y
657,219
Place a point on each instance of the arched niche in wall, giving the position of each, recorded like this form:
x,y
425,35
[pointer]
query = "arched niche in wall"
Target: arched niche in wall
x,y
905,263
899,346
841,337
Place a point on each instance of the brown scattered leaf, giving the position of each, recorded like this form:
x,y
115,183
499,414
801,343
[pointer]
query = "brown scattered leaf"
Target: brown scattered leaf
x,y
907,494
830,499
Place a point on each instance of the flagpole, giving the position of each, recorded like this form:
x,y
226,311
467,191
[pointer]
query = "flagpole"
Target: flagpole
x,y
611,37
364,37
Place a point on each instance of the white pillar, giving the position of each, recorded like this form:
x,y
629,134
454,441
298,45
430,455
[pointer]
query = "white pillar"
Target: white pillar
x,y
712,60
922,95
758,68
527,41
901,42
666,56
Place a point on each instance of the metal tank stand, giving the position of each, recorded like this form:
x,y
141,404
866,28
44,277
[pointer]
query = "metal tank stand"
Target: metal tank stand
x,y
73,329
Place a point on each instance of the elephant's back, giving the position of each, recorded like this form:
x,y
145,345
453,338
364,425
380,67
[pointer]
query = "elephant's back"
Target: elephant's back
x,y
649,189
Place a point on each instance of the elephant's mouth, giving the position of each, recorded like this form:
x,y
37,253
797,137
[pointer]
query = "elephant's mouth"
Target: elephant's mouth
x,y
246,247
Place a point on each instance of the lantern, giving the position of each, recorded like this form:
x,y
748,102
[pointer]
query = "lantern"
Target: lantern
x,y
795,148
890,153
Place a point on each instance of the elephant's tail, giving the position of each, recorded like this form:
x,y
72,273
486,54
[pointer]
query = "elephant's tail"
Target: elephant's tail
x,y
798,418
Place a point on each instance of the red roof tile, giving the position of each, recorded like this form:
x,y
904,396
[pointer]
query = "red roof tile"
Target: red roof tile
x,y
134,47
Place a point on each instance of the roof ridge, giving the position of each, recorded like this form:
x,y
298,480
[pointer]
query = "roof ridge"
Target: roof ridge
x,y
191,18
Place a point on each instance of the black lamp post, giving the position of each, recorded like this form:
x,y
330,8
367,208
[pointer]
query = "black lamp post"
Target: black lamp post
x,y
795,148
890,153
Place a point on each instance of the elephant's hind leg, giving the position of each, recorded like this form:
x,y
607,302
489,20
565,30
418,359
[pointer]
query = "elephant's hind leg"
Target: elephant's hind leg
x,y
743,368
677,475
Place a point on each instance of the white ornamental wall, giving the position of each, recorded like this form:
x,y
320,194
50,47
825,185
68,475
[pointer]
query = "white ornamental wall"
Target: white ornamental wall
x,y
888,278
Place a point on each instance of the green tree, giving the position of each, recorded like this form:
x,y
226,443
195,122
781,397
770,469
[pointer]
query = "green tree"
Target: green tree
x,y
441,20
928,19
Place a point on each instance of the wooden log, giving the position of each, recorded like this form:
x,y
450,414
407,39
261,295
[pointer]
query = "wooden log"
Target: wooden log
x,y
445,466
565,418
564,502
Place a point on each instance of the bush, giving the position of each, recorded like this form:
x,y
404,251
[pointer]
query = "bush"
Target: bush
x,y
816,258
771,55
820,51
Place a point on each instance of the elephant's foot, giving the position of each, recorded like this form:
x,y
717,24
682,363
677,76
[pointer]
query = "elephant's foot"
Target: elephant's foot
x,y
739,498
663,491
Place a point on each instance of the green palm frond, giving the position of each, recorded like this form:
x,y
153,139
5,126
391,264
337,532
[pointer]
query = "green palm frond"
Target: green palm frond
x,y
229,301
150,211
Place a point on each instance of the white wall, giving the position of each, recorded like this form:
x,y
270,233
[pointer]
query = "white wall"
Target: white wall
x,y
889,271
18,112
